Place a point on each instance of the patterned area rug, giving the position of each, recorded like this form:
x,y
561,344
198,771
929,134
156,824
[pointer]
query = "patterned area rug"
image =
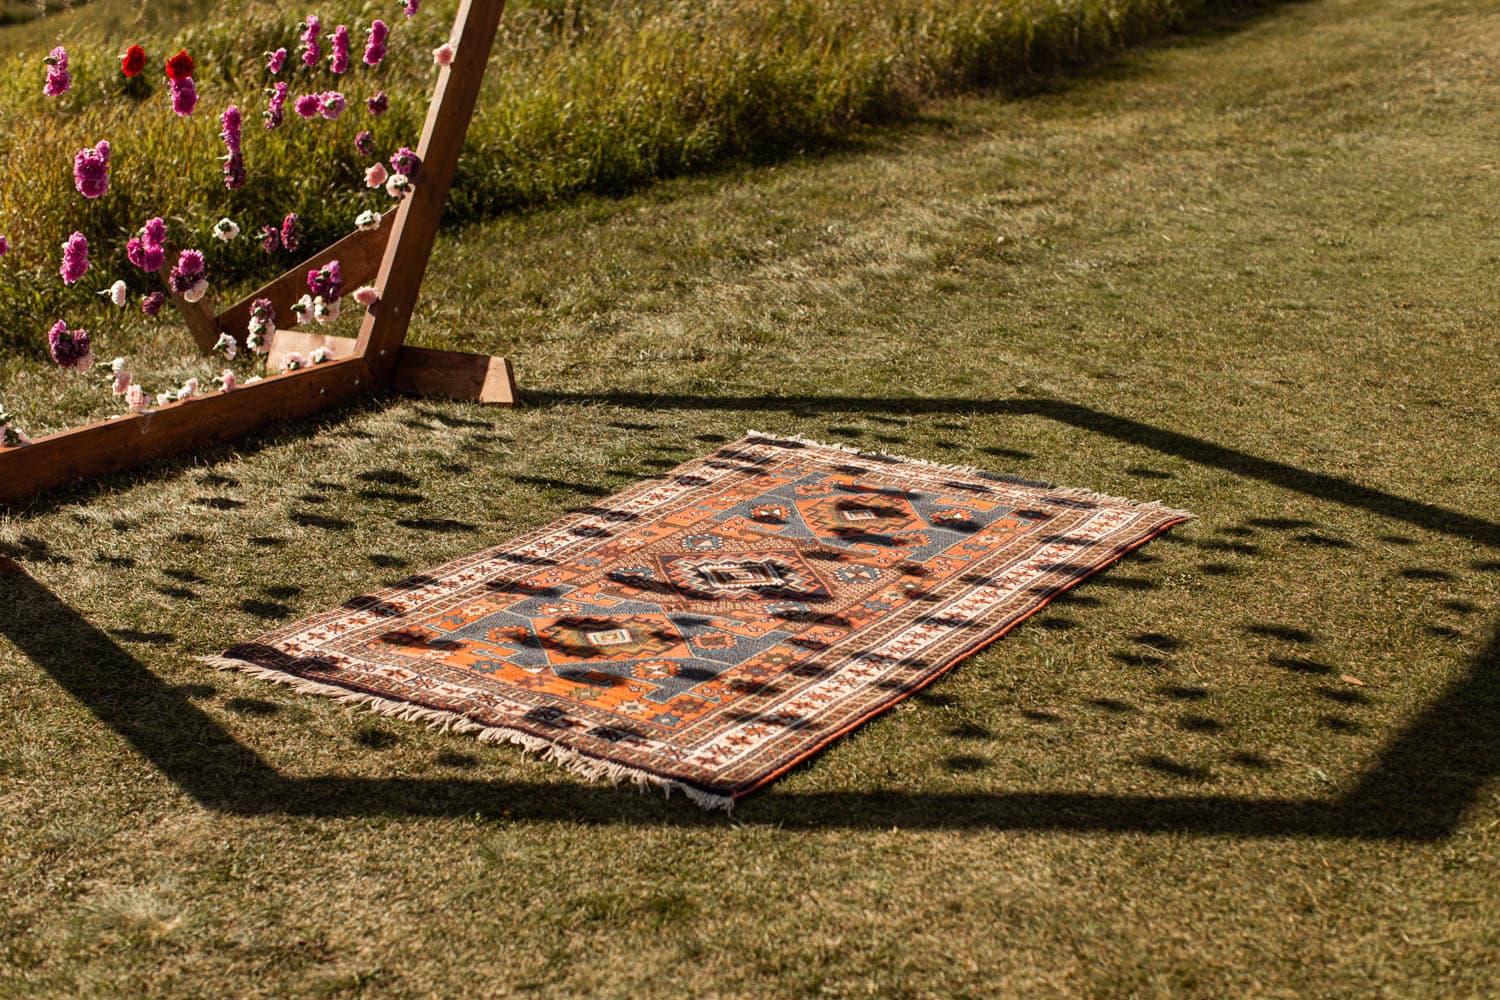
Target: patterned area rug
x,y
708,629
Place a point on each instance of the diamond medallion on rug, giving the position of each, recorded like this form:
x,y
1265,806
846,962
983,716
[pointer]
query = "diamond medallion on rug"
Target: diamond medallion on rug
x,y
708,629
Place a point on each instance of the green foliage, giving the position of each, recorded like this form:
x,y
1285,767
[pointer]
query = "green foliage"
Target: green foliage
x,y
598,96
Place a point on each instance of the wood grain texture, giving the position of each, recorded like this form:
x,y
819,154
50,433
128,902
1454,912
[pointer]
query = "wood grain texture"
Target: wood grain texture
x,y
284,342
359,255
479,378
406,255
112,445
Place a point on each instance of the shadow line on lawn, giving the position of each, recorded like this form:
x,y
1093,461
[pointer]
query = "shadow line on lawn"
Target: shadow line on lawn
x,y
1418,788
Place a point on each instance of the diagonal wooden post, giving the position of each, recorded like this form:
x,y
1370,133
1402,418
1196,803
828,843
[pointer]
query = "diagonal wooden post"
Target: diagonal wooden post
x,y
383,332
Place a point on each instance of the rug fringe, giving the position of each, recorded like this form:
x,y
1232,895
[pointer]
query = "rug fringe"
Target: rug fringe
x,y
970,470
586,767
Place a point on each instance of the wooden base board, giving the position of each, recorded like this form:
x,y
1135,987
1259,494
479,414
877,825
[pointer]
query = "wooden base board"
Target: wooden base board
x,y
420,371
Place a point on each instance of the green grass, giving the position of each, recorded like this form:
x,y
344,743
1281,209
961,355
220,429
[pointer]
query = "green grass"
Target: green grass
x,y
1218,272
600,96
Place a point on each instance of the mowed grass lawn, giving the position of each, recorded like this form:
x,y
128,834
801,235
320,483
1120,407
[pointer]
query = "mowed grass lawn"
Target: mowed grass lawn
x,y
1250,271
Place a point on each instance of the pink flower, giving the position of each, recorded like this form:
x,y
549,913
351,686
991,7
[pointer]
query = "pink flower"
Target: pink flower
x,y
234,162
326,282
91,170
412,6
398,185
338,63
187,278
69,348
364,144
293,361
275,112
308,105
443,54
375,176
136,399
311,50
227,380
148,257
275,61
184,96
375,45
332,104
377,103
367,296
289,230
151,304
404,161
59,80
189,389
270,239
75,263
154,231
117,293
4,246
120,382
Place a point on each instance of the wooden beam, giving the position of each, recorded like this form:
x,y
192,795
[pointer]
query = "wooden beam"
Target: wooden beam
x,y
359,255
383,331
284,342
421,371
111,445
200,321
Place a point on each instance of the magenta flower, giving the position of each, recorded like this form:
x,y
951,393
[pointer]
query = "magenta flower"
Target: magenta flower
x,y
339,61
406,162
75,262
289,231
375,45
91,170
326,282
275,112
187,278
443,54
332,104
308,105
70,348
59,80
311,50
377,103
234,162
270,239
364,142
412,6
275,61
151,304
155,231
147,251
4,246
184,95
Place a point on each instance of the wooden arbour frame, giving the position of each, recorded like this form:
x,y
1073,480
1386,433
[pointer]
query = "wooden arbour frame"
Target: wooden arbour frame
x,y
393,256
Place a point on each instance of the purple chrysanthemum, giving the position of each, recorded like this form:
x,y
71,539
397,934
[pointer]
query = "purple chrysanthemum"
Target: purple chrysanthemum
x,y
151,304
91,170
59,80
375,45
187,277
275,112
275,61
289,232
155,231
311,50
75,262
184,95
146,256
406,162
69,348
377,103
308,105
364,143
338,63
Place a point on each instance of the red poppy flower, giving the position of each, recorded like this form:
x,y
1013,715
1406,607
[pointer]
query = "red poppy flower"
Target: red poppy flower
x,y
180,66
133,61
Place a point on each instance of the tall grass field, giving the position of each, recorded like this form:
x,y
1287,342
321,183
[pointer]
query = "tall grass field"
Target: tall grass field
x,y
581,96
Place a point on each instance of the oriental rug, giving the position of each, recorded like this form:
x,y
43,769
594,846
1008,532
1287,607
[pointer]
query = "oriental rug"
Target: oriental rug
x,y
708,629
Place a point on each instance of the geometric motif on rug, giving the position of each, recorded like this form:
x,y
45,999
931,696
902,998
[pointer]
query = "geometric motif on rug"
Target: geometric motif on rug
x,y
708,629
